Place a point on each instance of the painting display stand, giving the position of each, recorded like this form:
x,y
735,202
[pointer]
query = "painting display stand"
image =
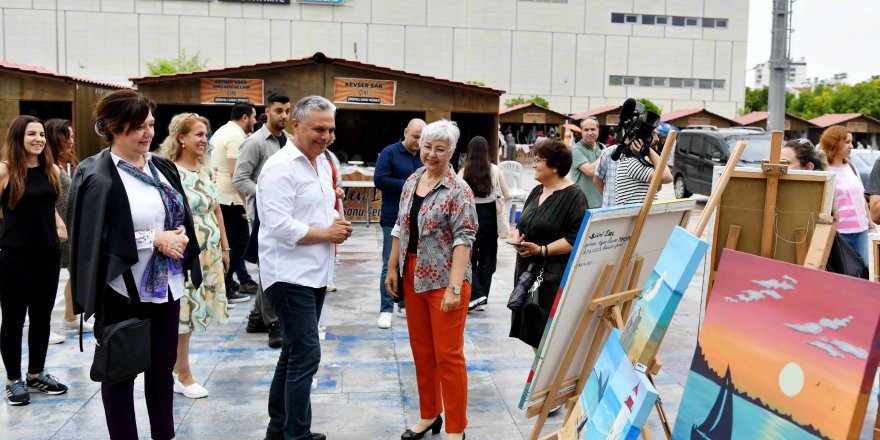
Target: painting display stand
x,y
790,205
614,307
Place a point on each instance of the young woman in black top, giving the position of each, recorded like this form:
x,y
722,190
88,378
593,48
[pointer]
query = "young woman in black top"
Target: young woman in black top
x,y
30,255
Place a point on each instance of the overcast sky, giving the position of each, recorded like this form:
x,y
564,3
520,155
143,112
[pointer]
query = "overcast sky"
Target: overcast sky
x,y
832,35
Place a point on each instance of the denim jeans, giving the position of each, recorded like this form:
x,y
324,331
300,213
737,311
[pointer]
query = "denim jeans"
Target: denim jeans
x,y
237,234
859,242
298,309
386,303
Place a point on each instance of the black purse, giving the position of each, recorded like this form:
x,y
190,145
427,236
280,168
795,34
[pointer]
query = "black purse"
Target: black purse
x,y
525,293
123,349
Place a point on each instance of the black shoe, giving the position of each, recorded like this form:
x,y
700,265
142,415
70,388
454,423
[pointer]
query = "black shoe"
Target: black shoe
x,y
46,383
256,325
232,285
249,286
434,428
317,436
477,302
278,436
275,339
17,393
234,298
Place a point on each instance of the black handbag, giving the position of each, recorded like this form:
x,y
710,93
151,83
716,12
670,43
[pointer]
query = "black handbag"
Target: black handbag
x,y
843,259
123,349
526,290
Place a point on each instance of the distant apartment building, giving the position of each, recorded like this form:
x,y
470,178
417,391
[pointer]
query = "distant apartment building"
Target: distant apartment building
x,y
578,54
795,76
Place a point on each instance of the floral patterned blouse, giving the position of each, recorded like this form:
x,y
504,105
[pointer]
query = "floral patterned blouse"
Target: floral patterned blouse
x,y
447,219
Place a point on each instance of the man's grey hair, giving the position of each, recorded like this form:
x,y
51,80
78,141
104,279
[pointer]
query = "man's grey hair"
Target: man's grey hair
x,y
314,102
590,118
442,130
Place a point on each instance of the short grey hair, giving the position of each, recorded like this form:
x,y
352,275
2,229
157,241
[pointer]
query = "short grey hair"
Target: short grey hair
x,y
314,102
590,118
442,130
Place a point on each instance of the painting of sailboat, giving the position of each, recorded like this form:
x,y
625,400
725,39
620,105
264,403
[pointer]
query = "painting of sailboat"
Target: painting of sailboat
x,y
784,352
670,278
616,400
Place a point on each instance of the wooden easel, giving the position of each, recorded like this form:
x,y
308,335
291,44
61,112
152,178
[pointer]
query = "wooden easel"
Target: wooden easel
x,y
618,305
614,307
773,171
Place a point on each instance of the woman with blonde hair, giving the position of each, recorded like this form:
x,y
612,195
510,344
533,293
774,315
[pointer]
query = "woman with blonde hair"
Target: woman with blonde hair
x,y
186,145
849,192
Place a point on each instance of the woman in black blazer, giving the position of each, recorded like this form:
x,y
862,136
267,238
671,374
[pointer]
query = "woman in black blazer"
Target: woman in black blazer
x,y
129,219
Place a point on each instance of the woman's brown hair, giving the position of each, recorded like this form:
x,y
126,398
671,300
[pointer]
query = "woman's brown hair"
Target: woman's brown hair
x,y
478,168
57,137
121,112
15,156
833,141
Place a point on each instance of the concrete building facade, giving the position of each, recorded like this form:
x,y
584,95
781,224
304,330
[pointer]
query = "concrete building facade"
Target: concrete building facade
x,y
578,54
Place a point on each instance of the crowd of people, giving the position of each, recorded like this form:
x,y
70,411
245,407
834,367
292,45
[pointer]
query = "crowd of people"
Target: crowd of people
x,y
163,236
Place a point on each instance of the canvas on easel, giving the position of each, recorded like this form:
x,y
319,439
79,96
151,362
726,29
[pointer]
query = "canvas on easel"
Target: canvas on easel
x,y
654,310
783,349
602,240
616,401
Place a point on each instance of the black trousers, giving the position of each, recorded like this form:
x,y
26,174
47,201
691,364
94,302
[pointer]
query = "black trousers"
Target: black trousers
x,y
484,254
237,235
28,282
118,398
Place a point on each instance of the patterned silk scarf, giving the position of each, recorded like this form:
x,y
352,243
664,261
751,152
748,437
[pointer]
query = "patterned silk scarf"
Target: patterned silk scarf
x,y
154,283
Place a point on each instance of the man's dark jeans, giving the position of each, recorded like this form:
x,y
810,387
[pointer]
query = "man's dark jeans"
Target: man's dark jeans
x,y
298,309
237,234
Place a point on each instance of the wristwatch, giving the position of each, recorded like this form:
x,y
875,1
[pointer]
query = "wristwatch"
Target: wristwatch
x,y
456,290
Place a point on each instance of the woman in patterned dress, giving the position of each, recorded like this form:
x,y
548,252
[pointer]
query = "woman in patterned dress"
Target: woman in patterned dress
x,y
186,145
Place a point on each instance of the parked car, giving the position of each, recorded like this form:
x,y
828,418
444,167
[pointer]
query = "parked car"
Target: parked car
x,y
864,160
698,149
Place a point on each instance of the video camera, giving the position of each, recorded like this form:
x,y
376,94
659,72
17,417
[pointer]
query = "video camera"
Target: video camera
x,y
635,123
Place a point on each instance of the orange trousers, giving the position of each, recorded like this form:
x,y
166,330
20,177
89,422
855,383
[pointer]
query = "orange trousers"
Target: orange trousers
x,y
437,342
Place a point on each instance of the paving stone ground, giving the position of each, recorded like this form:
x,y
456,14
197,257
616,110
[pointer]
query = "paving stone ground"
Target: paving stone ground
x,y
366,387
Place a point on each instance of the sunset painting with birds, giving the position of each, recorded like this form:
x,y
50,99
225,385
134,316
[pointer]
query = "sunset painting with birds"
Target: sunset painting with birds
x,y
784,349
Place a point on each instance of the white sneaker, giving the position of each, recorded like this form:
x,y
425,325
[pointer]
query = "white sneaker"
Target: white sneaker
x,y
55,338
401,312
88,327
384,320
194,391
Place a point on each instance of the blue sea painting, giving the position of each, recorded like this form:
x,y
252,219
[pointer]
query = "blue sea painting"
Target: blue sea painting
x,y
654,310
702,396
616,400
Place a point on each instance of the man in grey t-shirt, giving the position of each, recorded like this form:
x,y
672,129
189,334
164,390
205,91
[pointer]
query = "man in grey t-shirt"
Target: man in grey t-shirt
x,y
252,155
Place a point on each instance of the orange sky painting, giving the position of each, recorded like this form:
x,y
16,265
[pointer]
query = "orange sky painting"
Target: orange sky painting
x,y
748,331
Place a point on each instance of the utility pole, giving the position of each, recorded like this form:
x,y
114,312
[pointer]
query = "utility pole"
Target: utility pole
x,y
779,59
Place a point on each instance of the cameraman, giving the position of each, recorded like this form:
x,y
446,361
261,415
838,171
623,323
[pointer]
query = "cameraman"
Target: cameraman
x,y
634,175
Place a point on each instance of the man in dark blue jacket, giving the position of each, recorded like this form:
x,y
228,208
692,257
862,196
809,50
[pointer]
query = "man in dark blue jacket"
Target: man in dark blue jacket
x,y
395,164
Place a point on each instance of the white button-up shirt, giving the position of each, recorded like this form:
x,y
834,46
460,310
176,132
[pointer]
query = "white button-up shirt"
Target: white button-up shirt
x,y
291,197
147,217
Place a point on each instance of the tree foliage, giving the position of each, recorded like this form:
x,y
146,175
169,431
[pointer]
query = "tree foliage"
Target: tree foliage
x,y
183,63
650,106
522,100
476,83
863,97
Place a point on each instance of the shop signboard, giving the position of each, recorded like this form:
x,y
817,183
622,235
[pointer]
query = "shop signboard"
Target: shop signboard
x,y
364,91
534,118
231,91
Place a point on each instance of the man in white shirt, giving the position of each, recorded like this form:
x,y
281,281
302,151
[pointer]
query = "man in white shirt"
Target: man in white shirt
x,y
298,228
226,141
